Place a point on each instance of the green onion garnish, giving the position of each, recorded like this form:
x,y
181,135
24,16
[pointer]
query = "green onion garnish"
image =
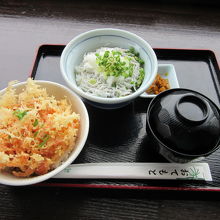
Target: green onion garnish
x,y
36,133
112,63
35,123
45,139
92,81
19,114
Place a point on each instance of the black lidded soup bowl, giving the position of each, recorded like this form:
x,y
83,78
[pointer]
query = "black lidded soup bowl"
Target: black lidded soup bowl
x,y
184,125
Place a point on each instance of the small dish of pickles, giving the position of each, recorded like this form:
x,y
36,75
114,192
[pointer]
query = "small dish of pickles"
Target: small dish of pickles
x,y
166,79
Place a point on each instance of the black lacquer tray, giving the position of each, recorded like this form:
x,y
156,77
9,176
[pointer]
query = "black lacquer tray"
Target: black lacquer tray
x,y
119,135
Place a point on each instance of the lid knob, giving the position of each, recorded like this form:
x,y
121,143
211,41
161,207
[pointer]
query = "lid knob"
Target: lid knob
x,y
192,109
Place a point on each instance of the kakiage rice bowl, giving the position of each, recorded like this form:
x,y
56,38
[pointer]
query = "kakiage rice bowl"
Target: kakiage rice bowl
x,y
59,92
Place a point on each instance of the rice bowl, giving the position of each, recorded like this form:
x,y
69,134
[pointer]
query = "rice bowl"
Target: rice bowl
x,y
59,92
90,41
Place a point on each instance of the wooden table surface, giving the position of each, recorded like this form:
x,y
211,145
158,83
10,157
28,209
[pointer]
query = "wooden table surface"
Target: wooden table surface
x,y
25,25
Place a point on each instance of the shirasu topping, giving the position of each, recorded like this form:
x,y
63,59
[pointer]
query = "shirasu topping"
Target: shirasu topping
x,y
110,72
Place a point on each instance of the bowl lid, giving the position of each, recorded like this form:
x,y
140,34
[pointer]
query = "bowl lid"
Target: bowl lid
x,y
185,121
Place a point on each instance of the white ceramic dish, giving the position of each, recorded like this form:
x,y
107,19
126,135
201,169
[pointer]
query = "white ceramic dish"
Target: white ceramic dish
x,y
58,91
89,41
166,71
